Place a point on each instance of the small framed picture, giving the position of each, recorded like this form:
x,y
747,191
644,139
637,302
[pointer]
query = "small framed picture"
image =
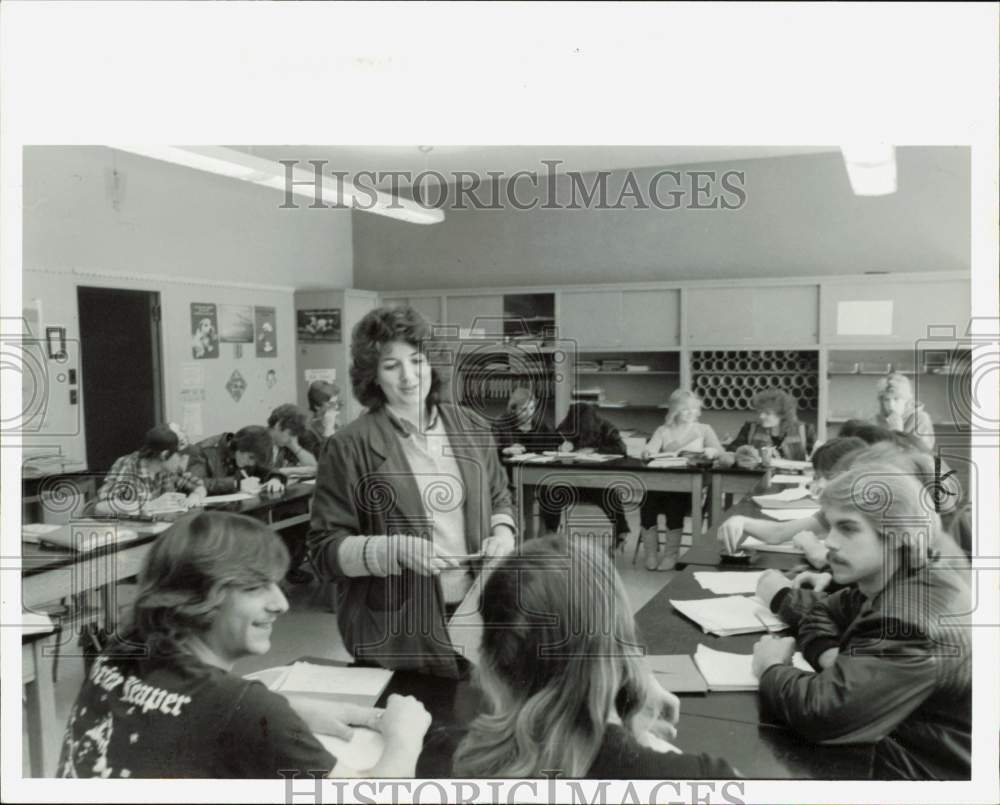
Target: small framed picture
x,y
55,342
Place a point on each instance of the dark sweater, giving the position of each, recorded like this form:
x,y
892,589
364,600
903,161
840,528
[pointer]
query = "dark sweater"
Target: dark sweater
x,y
620,757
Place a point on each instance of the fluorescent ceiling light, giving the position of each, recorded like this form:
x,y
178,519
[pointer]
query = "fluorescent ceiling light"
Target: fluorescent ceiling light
x,y
272,174
871,169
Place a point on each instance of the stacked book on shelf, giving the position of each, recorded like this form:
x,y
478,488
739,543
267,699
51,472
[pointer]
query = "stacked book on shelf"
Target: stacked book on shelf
x,y
588,366
636,367
613,365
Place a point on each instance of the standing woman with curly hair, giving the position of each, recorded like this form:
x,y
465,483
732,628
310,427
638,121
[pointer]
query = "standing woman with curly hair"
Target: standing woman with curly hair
x,y
403,495
162,700
777,426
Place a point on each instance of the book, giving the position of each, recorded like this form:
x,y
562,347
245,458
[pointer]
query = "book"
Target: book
x,y
668,463
725,671
677,673
358,685
730,615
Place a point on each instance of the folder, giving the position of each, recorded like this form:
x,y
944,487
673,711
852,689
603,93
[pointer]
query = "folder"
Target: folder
x,y
677,673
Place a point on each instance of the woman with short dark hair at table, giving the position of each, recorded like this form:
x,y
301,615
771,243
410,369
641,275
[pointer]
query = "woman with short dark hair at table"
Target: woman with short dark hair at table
x,y
324,405
162,700
777,426
566,687
404,495
891,653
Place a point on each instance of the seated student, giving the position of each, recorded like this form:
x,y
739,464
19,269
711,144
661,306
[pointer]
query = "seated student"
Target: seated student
x,y
891,668
325,405
137,479
294,445
584,430
237,462
777,426
899,411
163,701
564,684
680,430
522,429
828,459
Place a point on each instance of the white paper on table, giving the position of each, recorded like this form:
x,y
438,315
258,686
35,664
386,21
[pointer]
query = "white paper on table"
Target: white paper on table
x,y
789,514
729,582
752,543
523,457
595,456
791,479
724,670
33,532
35,623
230,498
360,753
864,317
785,496
668,463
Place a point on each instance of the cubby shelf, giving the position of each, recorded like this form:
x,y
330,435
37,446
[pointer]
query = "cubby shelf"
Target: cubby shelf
x,y
629,374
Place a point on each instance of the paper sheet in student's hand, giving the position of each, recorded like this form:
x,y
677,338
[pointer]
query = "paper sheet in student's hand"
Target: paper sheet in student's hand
x,y
790,514
729,582
360,753
792,479
726,671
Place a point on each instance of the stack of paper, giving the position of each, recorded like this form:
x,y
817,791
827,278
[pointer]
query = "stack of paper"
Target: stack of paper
x,y
727,672
729,583
358,685
524,457
798,513
669,463
752,543
596,456
730,615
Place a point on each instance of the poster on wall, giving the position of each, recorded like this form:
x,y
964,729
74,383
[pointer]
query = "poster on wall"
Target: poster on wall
x,y
204,331
267,336
236,385
318,326
236,324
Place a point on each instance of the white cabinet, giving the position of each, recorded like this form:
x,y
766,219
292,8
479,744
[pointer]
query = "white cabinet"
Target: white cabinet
x,y
764,315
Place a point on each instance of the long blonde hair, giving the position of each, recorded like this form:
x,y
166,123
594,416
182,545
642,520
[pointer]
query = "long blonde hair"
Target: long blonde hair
x,y
678,401
559,659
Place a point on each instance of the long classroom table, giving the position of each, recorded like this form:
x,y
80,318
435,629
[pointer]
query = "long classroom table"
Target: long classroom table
x,y
628,473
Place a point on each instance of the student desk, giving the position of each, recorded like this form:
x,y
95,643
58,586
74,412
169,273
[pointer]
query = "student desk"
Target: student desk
x,y
39,696
661,630
50,575
630,473
733,481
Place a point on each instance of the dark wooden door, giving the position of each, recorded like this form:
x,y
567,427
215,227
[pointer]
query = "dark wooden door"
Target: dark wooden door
x,y
120,370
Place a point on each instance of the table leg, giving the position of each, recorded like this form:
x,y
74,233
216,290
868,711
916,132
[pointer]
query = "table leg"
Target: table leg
x,y
716,506
40,705
696,518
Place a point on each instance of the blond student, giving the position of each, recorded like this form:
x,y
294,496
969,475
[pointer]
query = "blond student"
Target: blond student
x,y
680,430
897,410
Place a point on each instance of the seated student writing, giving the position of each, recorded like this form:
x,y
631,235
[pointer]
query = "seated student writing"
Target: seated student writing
x,y
680,430
565,686
892,669
163,701
522,429
828,459
237,462
777,426
294,445
584,430
138,479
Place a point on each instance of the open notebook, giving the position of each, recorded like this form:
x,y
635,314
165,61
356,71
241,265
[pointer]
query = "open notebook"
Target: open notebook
x,y
730,615
724,671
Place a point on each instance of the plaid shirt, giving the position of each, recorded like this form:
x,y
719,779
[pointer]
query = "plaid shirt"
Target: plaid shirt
x,y
129,481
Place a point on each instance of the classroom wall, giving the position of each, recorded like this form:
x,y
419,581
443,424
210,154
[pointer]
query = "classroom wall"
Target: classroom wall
x,y
191,236
800,219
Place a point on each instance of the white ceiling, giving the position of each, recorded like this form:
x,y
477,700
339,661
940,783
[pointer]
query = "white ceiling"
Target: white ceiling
x,y
508,159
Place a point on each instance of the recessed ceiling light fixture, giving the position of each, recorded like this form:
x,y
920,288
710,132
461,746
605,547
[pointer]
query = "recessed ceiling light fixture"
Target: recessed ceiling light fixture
x,y
270,173
871,169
